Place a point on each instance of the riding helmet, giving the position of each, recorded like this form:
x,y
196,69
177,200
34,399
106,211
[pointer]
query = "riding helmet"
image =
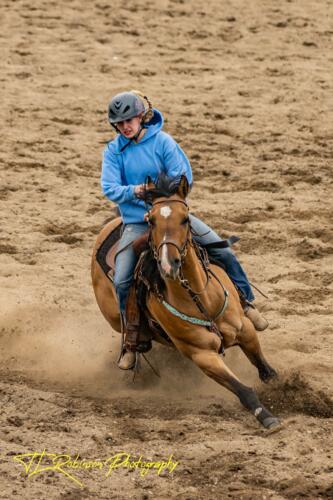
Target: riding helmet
x,y
125,106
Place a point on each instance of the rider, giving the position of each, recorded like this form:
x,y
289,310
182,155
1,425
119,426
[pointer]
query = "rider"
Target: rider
x,y
143,149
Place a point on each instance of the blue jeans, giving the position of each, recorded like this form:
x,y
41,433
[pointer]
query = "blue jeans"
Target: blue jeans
x,y
126,259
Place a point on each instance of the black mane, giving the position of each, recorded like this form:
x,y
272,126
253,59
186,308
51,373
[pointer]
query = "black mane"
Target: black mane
x,y
164,186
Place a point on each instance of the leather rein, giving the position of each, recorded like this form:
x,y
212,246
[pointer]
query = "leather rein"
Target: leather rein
x,y
201,253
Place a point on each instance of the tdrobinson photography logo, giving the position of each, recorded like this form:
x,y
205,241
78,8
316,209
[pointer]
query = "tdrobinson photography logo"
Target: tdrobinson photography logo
x,y
36,463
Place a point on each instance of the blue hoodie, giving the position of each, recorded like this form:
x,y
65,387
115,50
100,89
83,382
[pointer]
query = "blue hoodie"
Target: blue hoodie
x,y
156,152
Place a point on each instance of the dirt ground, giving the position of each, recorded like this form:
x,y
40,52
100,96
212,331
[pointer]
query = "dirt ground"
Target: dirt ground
x,y
245,89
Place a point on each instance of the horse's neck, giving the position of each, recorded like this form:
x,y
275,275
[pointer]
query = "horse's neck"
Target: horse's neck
x,y
193,271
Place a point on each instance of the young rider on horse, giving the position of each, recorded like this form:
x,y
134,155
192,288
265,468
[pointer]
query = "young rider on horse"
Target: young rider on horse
x,y
143,149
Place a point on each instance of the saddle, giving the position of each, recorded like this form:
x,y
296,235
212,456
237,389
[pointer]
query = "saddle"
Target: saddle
x,y
107,252
141,328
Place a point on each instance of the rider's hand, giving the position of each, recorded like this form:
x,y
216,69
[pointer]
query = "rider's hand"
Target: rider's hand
x,y
146,217
139,190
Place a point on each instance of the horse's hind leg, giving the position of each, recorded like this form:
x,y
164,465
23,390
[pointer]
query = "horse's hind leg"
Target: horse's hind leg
x,y
249,343
213,366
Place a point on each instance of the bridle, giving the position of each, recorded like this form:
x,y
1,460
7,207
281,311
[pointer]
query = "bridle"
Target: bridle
x,y
209,322
182,250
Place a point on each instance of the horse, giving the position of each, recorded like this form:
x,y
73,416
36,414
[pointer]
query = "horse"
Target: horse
x,y
196,304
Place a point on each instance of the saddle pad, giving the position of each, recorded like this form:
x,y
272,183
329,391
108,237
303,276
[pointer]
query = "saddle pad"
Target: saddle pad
x,y
109,242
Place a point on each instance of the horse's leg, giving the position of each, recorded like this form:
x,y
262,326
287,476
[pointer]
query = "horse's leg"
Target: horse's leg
x,y
249,343
213,366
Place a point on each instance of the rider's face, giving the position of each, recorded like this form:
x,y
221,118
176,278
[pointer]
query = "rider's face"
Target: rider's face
x,y
129,128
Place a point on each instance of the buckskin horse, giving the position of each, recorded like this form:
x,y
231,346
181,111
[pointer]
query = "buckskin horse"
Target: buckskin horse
x,y
192,300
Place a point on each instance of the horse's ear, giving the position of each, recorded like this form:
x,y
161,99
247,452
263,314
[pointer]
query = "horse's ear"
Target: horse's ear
x,y
149,183
183,187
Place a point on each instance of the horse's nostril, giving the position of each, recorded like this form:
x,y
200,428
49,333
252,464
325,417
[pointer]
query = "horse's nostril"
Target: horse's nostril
x,y
177,262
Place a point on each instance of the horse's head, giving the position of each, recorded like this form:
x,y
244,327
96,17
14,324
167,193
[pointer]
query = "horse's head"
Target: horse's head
x,y
169,223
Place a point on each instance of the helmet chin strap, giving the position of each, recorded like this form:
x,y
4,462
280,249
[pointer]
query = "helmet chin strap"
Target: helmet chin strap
x,y
134,138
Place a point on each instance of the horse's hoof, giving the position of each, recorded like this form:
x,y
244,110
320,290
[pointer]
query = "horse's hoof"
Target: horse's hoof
x,y
268,376
271,422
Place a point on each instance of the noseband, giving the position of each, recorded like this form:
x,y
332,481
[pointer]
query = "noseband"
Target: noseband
x,y
182,250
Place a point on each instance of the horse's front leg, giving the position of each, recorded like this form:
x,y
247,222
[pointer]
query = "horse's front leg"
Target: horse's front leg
x,y
249,343
213,365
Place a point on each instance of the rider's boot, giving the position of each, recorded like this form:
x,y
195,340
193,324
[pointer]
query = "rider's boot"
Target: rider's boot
x,y
127,360
135,342
128,354
260,323
136,339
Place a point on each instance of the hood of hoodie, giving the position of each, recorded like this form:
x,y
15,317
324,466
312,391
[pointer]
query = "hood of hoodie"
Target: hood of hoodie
x,y
154,125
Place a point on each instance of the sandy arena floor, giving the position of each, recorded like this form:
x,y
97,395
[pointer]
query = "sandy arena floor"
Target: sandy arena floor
x,y
244,87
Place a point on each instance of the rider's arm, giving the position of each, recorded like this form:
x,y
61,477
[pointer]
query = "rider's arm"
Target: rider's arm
x,y
174,159
111,181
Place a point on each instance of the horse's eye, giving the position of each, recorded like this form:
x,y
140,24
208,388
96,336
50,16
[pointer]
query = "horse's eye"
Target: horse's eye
x,y
151,221
186,220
